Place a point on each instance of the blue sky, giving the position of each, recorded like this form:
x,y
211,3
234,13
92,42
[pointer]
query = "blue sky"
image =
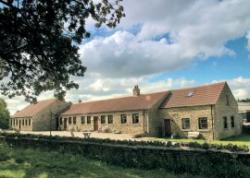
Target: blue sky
x,y
217,68
165,44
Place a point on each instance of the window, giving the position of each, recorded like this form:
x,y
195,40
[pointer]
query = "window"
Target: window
x,y
23,122
227,100
232,121
110,119
203,123
29,121
103,119
185,123
26,122
135,118
88,119
61,121
225,122
70,121
74,120
123,118
11,122
83,119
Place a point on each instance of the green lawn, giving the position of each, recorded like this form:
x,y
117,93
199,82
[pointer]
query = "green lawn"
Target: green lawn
x,y
25,163
237,140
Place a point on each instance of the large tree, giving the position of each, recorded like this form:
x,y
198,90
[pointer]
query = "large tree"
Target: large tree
x,y
4,115
39,42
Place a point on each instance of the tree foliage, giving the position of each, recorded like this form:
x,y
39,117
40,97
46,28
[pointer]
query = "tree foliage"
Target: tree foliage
x,y
39,42
4,114
245,100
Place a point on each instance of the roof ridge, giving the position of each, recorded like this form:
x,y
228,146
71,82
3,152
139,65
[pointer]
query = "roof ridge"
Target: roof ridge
x,y
121,97
200,86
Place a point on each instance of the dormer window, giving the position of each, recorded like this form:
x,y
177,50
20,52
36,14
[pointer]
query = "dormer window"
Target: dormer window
x,y
190,94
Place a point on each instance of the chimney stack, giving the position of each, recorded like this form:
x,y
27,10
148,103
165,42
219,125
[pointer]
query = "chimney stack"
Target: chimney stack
x,y
79,101
136,91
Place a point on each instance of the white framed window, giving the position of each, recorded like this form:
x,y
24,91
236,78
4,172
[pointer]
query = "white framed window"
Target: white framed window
x,y
123,118
185,123
135,118
203,124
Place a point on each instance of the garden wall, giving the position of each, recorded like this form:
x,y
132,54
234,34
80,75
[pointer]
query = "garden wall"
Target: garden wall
x,y
203,160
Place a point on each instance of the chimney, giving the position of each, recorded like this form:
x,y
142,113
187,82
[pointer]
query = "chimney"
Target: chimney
x,y
79,101
136,91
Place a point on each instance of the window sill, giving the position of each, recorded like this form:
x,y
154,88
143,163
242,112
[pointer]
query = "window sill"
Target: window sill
x,y
204,130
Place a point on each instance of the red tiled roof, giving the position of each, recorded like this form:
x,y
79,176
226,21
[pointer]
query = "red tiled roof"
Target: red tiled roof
x,y
141,102
202,95
33,109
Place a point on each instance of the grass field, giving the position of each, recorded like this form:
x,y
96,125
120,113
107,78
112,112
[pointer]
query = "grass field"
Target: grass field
x,y
28,163
237,140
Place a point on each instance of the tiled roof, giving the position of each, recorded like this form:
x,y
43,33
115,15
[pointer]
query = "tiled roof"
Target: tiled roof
x,y
33,109
130,103
202,95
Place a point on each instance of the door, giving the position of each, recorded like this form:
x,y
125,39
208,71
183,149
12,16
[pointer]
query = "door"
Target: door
x,y
65,124
57,123
95,123
167,128
19,124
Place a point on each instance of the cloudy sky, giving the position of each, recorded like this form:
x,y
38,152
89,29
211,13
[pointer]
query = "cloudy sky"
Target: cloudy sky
x,y
165,44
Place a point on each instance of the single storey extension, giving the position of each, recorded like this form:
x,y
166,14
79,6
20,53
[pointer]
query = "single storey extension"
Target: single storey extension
x,y
40,116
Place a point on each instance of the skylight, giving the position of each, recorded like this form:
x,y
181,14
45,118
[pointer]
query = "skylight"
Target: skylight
x,y
190,94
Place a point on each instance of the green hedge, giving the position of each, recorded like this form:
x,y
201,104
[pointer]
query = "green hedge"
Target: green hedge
x,y
145,155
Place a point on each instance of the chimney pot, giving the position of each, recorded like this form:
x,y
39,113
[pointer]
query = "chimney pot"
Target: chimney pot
x,y
136,90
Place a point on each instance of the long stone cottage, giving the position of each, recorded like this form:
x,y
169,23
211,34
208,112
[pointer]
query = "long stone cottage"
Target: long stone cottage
x,y
209,111
40,116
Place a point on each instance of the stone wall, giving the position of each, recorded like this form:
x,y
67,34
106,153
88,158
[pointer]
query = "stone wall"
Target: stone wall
x,y
23,123
193,113
227,109
116,126
46,119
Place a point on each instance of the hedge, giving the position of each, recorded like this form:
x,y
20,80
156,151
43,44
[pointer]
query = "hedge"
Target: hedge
x,y
145,155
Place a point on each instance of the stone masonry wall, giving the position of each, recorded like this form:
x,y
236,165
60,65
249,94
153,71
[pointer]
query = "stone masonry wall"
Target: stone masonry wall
x,y
128,127
224,109
24,123
194,113
44,120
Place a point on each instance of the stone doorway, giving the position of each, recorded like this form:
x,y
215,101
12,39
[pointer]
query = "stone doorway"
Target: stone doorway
x,y
95,123
166,131
65,124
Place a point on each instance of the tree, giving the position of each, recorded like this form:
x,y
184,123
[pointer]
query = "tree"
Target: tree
x,y
39,42
245,100
4,115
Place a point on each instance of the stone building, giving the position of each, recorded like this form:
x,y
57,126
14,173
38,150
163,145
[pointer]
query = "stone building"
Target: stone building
x,y
244,111
41,116
209,111
133,114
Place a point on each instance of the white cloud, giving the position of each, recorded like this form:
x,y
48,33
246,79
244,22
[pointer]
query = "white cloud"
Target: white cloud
x,y
248,40
240,87
122,54
92,88
194,28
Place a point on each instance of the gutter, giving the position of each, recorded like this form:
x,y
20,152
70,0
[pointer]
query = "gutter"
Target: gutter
x,y
212,120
